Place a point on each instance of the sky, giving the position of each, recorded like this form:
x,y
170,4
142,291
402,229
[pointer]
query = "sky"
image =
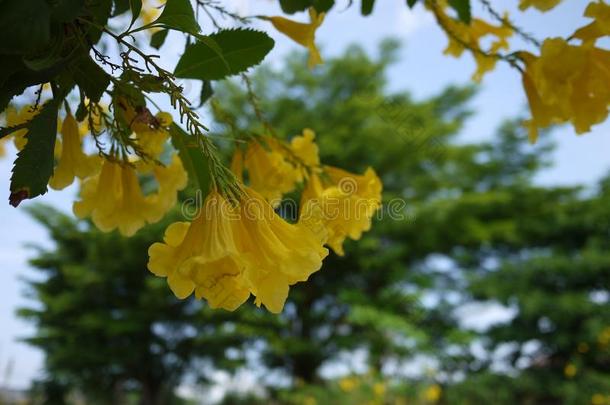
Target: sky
x,y
422,69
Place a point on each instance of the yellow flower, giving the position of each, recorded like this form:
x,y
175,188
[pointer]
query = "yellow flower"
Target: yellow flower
x,y
14,117
203,256
310,401
2,148
72,161
152,140
598,399
231,250
542,5
566,83
433,393
600,27
346,202
270,172
302,33
379,389
604,337
113,198
305,148
348,384
472,34
170,179
570,370
281,254
150,12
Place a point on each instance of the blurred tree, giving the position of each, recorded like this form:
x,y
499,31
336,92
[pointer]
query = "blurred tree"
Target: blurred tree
x,y
109,329
443,200
462,222
557,347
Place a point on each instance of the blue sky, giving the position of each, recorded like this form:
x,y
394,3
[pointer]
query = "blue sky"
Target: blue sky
x,y
422,69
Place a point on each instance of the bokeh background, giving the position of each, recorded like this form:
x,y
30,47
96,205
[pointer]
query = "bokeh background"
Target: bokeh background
x,y
492,284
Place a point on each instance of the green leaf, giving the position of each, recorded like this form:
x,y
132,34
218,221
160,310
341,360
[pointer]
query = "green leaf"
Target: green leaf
x,y
25,26
99,11
21,78
64,11
120,7
206,92
34,164
178,15
411,3
237,51
462,7
158,38
90,77
136,8
193,159
293,6
322,6
366,8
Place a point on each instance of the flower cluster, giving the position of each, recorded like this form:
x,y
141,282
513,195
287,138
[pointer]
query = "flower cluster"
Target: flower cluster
x,y
235,248
111,193
464,36
568,82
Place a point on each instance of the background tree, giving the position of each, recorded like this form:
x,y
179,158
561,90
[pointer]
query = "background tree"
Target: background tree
x,y
475,227
558,344
111,330
459,198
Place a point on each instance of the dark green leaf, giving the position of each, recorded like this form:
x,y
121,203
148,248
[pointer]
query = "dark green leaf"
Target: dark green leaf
x,y
136,7
24,26
120,7
50,55
158,38
293,6
90,77
34,164
99,11
178,15
366,8
64,11
193,159
237,51
322,6
22,78
411,3
462,7
206,92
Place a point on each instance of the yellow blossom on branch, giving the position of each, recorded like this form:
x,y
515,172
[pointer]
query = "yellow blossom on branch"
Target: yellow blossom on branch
x,y
73,162
234,249
114,199
542,5
464,36
270,171
567,83
345,201
302,33
14,117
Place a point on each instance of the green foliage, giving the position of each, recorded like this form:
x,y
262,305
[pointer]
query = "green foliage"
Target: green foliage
x,y
194,162
294,6
462,7
178,15
366,7
225,53
34,165
90,77
111,330
158,38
